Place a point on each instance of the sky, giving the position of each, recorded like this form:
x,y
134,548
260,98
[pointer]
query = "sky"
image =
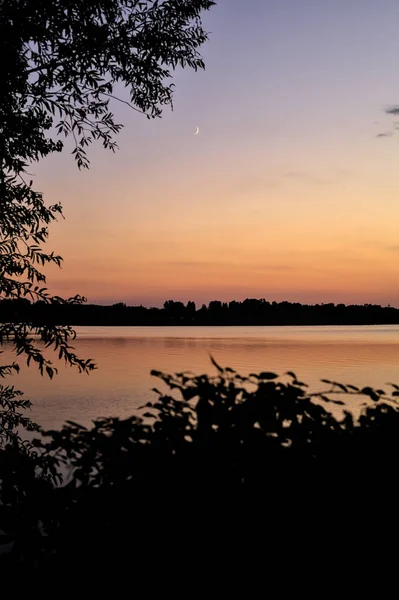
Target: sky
x,y
288,192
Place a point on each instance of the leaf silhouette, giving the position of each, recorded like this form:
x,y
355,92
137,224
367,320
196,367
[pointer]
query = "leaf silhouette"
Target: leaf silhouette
x,y
215,364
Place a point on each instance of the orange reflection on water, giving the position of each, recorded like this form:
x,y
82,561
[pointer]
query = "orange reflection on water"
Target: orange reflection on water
x,y
126,356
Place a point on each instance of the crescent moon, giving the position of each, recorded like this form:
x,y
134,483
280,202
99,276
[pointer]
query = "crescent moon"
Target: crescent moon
x,y
196,131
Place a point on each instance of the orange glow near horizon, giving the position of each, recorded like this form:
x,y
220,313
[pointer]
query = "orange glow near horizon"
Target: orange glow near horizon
x,y
331,245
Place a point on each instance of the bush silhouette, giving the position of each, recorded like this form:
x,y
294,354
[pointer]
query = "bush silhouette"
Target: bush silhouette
x,y
211,459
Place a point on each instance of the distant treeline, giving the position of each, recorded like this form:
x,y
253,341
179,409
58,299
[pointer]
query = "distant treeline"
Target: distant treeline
x,y
248,312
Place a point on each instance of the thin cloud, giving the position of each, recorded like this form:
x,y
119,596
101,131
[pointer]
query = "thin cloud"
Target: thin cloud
x,y
253,184
307,178
392,110
228,264
273,267
384,135
197,263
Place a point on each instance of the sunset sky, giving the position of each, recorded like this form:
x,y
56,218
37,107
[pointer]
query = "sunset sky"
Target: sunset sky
x,y
287,193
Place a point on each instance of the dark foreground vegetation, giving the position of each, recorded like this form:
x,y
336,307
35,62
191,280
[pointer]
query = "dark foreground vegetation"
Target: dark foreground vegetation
x,y
215,470
248,312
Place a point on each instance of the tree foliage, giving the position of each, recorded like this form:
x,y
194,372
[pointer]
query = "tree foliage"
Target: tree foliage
x,y
61,63
65,58
249,312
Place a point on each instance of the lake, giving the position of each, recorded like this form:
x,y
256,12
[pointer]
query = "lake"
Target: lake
x,y
361,355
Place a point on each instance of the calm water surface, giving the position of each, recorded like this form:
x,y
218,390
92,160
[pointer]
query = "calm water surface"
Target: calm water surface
x,y
125,356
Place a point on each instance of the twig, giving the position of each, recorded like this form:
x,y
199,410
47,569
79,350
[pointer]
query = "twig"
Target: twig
x,y
125,102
